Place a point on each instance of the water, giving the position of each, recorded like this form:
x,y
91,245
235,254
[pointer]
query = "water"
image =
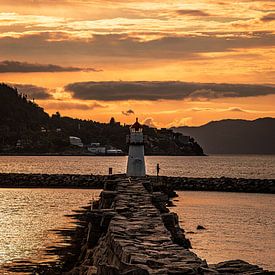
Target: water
x,y
28,220
239,226
246,166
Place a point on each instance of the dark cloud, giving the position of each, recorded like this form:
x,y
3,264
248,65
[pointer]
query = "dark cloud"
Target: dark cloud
x,y
268,17
196,13
43,45
72,106
128,112
231,109
166,90
8,66
32,91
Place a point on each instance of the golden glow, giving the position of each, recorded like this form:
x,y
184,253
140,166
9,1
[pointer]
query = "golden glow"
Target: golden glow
x,y
203,41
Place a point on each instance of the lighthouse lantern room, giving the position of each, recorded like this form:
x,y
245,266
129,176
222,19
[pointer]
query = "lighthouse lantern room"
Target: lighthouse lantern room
x,y
136,163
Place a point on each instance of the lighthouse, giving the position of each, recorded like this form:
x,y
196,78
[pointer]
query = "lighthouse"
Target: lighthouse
x,y
136,163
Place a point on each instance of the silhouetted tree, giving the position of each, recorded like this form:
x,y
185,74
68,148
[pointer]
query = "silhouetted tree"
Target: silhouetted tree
x,y
112,121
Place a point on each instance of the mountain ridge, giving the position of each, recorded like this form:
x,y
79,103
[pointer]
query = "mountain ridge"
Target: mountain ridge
x,y
234,136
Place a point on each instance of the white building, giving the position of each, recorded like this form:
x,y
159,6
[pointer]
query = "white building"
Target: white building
x,y
114,152
76,141
136,163
97,150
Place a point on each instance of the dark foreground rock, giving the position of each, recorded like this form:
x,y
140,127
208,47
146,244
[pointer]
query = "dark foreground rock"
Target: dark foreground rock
x,y
238,267
131,231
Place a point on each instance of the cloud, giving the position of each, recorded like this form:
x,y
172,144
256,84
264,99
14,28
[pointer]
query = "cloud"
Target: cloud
x,y
62,45
32,91
236,109
268,17
230,109
128,112
201,109
72,106
162,90
150,122
8,66
196,13
180,122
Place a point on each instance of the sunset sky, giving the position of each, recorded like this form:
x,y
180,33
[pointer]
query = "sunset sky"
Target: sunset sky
x,y
163,61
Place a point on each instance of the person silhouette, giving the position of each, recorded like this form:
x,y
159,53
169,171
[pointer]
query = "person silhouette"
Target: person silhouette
x,y
158,169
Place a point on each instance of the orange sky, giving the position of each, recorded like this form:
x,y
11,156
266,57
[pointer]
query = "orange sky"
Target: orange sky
x,y
202,41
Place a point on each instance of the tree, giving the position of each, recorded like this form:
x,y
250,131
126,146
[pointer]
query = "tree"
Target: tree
x,y
112,121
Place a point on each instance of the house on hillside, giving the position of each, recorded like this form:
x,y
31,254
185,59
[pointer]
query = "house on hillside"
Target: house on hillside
x,y
76,141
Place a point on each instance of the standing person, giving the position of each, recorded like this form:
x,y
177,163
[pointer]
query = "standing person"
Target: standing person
x,y
158,168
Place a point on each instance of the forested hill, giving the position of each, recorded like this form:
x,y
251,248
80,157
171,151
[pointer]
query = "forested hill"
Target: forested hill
x,y
17,113
235,136
24,123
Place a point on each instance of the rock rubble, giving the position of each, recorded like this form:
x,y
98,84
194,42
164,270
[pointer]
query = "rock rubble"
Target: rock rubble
x,y
132,232
167,184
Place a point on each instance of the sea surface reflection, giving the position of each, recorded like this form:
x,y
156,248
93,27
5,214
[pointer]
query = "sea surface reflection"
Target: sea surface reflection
x,y
238,225
29,219
241,166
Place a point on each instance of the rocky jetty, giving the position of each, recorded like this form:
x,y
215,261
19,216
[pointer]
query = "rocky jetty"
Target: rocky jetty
x,y
222,184
19,180
166,184
131,231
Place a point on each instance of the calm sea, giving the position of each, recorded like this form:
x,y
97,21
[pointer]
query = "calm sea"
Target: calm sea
x,y
248,166
238,225
29,219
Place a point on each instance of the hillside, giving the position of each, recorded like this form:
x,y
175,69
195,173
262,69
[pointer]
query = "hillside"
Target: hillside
x,y
17,112
26,129
235,136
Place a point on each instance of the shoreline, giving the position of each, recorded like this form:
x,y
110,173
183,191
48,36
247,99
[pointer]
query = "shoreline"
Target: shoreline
x,y
222,184
90,155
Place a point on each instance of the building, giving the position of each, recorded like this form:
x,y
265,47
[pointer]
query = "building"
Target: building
x,y
76,141
136,163
114,152
97,150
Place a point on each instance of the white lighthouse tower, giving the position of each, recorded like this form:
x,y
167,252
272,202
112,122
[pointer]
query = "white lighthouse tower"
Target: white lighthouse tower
x,y
136,163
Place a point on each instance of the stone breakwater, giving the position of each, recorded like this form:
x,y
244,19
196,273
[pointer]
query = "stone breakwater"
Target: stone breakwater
x,y
131,231
10,180
222,184
20,180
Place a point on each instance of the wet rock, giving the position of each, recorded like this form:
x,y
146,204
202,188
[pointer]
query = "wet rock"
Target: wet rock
x,y
200,227
238,267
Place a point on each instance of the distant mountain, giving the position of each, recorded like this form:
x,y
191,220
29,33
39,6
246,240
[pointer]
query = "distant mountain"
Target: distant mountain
x,y
25,128
234,136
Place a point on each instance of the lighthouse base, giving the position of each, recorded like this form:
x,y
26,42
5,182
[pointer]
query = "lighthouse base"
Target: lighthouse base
x,y
136,163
